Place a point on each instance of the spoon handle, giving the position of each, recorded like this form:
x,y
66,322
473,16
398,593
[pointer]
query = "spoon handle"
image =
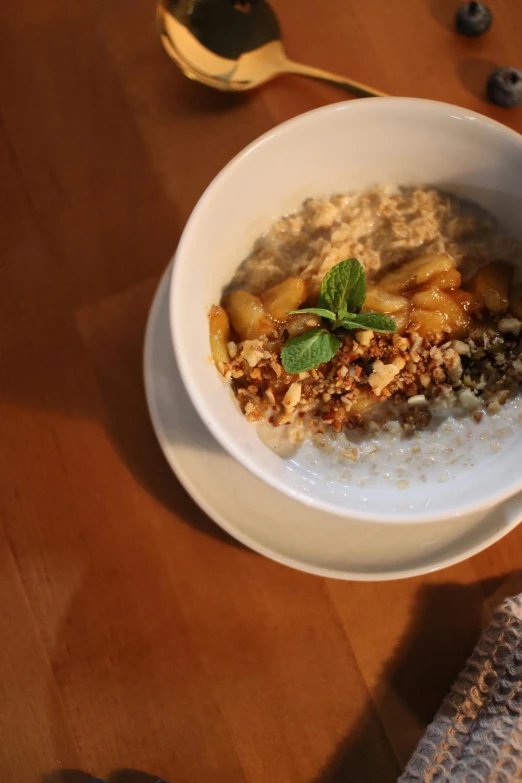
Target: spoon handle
x,y
357,88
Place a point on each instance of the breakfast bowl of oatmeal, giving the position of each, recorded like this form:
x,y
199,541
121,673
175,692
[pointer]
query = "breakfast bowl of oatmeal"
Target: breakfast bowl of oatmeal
x,y
346,310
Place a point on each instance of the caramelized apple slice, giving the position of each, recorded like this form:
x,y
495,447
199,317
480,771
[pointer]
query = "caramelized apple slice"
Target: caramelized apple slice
x,y
379,300
302,322
285,296
464,299
417,272
247,314
490,286
442,303
401,318
219,327
429,322
447,281
438,301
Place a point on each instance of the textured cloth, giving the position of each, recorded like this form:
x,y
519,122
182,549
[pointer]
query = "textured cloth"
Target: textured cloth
x,y
476,736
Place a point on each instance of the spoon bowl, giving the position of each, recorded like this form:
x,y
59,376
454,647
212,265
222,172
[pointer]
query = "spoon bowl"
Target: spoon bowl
x,y
234,46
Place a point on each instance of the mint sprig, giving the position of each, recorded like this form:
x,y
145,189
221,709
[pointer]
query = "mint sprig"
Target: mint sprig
x,y
342,295
376,322
315,311
309,350
344,287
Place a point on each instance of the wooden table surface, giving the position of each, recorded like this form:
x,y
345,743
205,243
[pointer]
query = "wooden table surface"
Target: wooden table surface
x,y
134,634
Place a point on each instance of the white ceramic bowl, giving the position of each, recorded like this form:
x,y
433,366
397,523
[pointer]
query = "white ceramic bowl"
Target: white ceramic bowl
x,y
343,147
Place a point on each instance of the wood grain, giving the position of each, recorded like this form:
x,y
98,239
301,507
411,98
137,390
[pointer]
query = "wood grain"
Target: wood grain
x,y
138,640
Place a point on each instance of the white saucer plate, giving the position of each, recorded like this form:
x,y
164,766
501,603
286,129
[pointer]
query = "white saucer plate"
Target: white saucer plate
x,y
272,523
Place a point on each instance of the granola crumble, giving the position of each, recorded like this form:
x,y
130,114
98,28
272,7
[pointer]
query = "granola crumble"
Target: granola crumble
x,y
485,368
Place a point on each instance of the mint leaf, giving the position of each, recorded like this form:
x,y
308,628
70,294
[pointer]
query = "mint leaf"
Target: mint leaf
x,y
343,287
315,311
309,350
374,321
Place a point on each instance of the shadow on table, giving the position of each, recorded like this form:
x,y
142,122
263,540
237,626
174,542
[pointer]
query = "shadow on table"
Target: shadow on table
x,y
113,334
120,776
473,73
196,98
443,11
444,628
132,776
67,776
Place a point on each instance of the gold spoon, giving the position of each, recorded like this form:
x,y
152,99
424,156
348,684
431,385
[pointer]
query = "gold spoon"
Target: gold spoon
x,y
234,45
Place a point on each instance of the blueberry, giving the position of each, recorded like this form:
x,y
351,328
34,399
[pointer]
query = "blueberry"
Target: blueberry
x,y
473,19
504,87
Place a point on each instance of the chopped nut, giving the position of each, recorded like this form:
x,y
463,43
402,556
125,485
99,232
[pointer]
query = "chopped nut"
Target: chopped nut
x,y
416,342
292,396
462,348
232,349
436,355
399,342
469,400
276,367
347,402
382,374
399,362
364,337
510,326
438,375
502,396
453,364
417,399
252,352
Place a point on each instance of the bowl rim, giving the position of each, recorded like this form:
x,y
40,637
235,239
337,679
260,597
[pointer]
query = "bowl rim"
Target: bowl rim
x,y
218,430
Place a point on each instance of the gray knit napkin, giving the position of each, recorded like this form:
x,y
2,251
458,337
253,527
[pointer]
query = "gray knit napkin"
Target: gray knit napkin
x,y
476,736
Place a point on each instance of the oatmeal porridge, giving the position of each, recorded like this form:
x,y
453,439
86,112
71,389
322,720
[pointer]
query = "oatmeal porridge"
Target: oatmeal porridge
x,y
373,310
